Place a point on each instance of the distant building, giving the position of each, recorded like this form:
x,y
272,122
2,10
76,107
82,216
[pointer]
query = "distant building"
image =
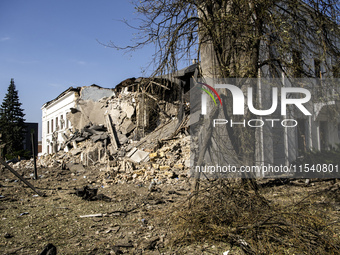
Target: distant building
x,y
39,148
27,143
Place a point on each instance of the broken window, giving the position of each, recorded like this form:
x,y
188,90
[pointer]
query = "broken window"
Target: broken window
x,y
61,122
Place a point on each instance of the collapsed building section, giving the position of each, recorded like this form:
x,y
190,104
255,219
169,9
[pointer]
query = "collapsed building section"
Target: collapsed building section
x,y
132,123
55,124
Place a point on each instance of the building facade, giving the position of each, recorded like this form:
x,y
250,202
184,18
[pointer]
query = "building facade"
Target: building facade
x,y
54,122
31,128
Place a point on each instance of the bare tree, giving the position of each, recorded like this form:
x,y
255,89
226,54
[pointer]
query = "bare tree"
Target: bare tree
x,y
243,39
235,28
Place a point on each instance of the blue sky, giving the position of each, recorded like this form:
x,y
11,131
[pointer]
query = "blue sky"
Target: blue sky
x,y
50,45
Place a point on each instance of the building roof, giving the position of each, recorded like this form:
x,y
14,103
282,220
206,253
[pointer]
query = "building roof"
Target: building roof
x,y
70,89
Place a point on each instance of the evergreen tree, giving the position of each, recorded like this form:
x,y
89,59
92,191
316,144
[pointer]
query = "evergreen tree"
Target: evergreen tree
x,y
12,126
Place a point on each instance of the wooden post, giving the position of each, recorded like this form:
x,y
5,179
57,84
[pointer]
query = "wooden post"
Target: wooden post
x,y
21,178
33,152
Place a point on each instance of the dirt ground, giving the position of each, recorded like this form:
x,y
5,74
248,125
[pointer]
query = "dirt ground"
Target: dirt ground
x,y
130,222
134,221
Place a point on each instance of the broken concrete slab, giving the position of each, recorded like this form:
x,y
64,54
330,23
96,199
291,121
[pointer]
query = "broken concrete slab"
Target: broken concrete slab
x,y
128,109
115,116
95,129
99,137
138,155
75,151
151,140
131,152
112,132
73,167
127,126
122,138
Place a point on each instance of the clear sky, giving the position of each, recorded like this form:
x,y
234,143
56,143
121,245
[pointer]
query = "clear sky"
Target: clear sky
x,y
49,45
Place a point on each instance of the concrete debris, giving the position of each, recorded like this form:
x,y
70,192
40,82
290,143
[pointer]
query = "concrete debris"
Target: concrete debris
x,y
167,162
138,155
128,109
137,134
127,126
74,168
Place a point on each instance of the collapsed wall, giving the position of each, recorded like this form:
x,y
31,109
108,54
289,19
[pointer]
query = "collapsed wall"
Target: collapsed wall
x,y
125,128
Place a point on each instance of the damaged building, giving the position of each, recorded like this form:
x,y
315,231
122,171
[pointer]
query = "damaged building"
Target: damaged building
x,y
130,121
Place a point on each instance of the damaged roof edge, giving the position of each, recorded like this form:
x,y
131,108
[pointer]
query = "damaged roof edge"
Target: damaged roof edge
x,y
77,90
178,74
61,95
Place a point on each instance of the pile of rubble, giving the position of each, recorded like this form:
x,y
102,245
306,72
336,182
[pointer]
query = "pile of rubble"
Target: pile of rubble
x,y
132,136
167,162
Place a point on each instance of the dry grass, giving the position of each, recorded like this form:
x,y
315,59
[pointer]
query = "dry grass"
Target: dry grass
x,y
224,211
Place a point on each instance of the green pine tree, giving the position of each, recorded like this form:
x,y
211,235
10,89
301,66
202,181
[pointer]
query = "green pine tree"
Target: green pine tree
x,y
12,123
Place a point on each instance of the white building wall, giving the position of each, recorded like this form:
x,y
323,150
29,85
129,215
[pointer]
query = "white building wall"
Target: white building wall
x,y
52,116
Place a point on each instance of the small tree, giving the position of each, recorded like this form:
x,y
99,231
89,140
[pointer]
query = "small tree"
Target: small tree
x,y
12,126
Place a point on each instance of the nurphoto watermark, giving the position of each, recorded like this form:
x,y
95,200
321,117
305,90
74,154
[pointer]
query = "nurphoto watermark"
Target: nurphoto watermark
x,y
253,128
